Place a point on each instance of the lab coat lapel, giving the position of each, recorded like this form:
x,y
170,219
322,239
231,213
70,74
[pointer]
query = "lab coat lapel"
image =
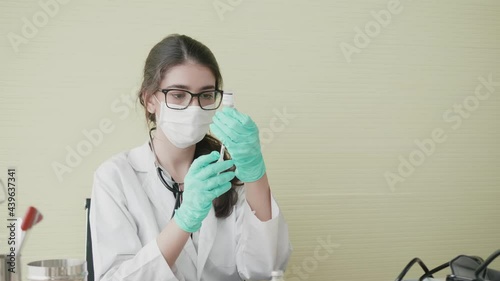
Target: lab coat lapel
x,y
154,190
142,160
206,240
161,198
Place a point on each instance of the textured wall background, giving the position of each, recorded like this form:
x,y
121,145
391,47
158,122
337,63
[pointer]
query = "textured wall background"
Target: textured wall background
x,y
380,128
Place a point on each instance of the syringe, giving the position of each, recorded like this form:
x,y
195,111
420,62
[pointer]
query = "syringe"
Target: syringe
x,y
227,101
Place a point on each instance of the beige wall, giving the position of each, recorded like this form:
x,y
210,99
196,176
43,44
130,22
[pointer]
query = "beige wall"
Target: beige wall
x,y
351,116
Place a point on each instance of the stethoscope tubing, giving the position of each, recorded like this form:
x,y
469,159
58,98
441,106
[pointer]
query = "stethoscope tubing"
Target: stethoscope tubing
x,y
159,170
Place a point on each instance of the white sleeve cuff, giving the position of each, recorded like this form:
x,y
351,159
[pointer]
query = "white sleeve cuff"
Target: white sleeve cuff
x,y
250,214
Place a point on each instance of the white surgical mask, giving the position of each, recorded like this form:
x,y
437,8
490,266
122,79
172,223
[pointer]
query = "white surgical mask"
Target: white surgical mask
x,y
186,127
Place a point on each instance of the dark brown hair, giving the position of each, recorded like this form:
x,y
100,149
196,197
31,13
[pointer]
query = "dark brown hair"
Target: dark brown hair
x,y
175,50
223,205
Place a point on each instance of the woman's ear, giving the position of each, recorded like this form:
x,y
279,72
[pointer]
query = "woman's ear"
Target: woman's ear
x,y
150,102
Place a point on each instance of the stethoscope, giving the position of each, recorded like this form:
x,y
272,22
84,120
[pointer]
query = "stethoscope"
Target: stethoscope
x,y
160,170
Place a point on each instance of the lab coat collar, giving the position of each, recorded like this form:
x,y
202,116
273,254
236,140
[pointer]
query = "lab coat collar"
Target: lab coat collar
x,y
141,158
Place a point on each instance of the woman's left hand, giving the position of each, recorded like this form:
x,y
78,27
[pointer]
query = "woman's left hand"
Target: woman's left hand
x,y
240,135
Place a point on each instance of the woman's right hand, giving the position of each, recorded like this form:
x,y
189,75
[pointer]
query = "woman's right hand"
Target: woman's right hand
x,y
204,182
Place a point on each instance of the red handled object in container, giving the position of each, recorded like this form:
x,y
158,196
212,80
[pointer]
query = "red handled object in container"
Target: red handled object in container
x,y
32,217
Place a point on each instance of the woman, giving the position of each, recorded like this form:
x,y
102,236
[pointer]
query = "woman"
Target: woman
x,y
220,221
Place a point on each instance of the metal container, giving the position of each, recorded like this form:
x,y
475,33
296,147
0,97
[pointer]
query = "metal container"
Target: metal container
x,y
60,270
5,274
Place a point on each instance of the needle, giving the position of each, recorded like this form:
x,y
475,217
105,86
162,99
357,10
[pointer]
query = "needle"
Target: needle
x,y
222,149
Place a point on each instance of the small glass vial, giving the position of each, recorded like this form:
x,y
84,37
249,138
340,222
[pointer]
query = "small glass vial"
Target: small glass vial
x,y
277,275
228,99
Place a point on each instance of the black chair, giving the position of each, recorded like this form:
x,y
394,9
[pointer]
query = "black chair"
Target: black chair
x,y
88,250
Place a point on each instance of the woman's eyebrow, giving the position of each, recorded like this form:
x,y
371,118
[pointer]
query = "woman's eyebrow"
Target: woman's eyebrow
x,y
185,87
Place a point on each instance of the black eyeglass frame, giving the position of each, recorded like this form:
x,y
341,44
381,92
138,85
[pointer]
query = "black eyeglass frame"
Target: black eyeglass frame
x,y
165,91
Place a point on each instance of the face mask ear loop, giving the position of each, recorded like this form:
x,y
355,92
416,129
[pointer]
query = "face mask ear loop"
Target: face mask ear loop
x,y
159,102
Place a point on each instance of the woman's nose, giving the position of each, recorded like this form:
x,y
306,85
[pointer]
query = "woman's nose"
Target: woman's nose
x,y
194,101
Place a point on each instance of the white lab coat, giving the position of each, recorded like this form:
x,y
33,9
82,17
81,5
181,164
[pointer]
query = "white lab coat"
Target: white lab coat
x,y
130,207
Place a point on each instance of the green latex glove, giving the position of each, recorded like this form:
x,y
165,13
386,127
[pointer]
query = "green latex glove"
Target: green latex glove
x,y
240,136
205,181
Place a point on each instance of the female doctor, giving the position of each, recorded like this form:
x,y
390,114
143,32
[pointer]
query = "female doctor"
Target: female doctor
x,y
169,210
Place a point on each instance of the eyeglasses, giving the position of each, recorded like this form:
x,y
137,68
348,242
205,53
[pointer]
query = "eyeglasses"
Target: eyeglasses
x,y
180,99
